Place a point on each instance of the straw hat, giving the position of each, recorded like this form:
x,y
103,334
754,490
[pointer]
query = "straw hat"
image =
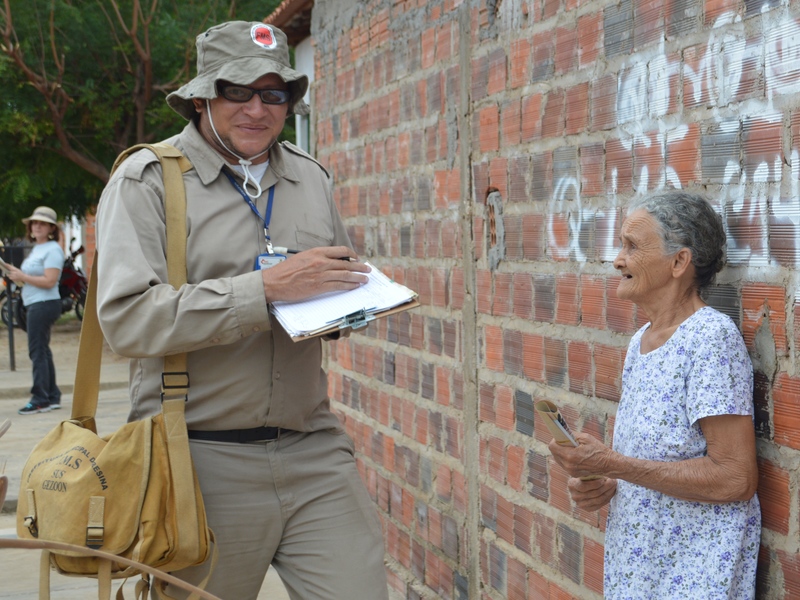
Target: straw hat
x,y
45,214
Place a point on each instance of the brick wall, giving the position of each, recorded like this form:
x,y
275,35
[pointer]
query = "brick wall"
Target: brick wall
x,y
483,154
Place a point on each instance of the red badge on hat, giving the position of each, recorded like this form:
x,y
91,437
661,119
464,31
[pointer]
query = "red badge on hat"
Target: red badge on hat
x,y
263,36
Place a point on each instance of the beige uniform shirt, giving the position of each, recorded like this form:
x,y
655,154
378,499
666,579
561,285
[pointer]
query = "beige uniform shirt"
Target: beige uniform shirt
x,y
244,370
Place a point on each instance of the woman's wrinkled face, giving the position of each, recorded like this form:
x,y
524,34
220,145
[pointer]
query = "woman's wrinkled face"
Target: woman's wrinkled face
x,y
641,261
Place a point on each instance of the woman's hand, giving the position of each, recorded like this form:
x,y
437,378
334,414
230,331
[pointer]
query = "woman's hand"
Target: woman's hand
x,y
47,281
15,275
592,494
589,457
727,473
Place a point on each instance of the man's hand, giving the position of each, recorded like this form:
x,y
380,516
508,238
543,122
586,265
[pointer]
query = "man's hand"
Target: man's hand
x,y
593,494
314,272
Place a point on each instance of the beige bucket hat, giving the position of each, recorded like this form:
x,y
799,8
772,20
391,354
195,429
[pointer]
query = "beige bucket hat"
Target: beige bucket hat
x,y
239,52
45,214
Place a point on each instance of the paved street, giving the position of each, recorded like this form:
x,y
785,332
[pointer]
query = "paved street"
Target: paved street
x,y
19,569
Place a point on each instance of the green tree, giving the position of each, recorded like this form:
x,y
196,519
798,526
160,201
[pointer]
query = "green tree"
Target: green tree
x,y
84,79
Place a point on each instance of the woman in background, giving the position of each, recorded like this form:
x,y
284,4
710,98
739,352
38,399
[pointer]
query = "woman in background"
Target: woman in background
x,y
684,520
39,276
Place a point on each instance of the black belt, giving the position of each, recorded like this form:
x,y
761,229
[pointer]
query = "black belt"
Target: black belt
x,y
240,436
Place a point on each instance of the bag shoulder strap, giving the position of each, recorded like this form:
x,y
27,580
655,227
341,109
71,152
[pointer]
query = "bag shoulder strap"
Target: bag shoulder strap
x,y
175,379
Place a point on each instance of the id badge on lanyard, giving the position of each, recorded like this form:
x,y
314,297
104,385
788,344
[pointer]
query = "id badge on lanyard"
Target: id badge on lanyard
x,y
270,258
265,261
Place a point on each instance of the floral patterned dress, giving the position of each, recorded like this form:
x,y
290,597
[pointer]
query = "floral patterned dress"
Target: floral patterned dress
x,y
658,546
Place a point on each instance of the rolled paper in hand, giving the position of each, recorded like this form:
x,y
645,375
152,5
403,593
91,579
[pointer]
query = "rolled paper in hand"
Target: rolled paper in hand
x,y
558,427
555,423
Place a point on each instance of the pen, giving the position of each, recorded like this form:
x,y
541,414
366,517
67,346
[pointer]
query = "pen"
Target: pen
x,y
285,250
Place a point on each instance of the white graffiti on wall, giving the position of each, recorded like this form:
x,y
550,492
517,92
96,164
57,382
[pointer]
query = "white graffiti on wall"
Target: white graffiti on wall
x,y
748,191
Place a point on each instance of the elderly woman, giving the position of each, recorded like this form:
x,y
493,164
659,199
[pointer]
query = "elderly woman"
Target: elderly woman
x,y
684,520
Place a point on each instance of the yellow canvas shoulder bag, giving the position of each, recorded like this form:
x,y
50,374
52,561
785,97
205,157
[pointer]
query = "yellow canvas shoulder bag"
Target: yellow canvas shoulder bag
x,y
133,493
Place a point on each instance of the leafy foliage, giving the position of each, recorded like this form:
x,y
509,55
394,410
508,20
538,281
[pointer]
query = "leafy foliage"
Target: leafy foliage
x,y
84,79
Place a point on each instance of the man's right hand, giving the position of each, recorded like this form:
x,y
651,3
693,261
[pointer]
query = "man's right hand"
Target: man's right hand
x,y
314,272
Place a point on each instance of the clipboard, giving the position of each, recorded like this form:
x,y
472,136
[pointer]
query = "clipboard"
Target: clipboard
x,y
333,311
357,320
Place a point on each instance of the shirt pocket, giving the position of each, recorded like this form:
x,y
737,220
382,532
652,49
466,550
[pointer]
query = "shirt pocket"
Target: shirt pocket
x,y
307,239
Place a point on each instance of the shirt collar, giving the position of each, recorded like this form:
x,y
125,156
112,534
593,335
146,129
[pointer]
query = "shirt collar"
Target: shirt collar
x,y
208,163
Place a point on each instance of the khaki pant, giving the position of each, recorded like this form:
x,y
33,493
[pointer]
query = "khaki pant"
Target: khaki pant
x,y
297,503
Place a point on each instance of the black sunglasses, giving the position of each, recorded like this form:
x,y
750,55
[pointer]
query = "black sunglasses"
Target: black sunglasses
x,y
242,93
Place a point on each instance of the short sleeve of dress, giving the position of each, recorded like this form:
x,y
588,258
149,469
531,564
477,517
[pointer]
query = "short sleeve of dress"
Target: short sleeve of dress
x,y
720,379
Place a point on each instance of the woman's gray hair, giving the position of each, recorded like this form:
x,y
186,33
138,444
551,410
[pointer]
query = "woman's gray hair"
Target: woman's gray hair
x,y
688,221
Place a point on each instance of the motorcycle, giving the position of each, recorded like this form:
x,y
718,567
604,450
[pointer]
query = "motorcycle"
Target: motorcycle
x,y
72,288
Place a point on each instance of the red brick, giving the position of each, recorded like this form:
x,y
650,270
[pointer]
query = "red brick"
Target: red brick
x,y
648,157
620,314
577,108
759,301
459,492
504,407
531,117
608,363
695,89
428,47
538,586
497,72
558,236
544,534
516,580
443,483
648,22
567,305
559,493
505,519
533,356
786,402
523,528
566,51
511,122
498,175
619,167
590,41
520,62
502,305
579,360
553,119
604,102
533,236
593,291
592,169
489,132
790,567
593,565
484,280
773,493
444,41
515,459
523,295
486,400
683,154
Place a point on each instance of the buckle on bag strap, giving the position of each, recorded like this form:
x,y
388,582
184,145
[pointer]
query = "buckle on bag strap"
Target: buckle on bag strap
x,y
174,380
30,519
94,525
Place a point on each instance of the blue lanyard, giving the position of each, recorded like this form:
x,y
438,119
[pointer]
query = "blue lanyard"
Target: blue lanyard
x,y
267,215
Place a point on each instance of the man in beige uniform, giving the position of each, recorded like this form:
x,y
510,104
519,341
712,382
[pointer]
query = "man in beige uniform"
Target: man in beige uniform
x,y
277,471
